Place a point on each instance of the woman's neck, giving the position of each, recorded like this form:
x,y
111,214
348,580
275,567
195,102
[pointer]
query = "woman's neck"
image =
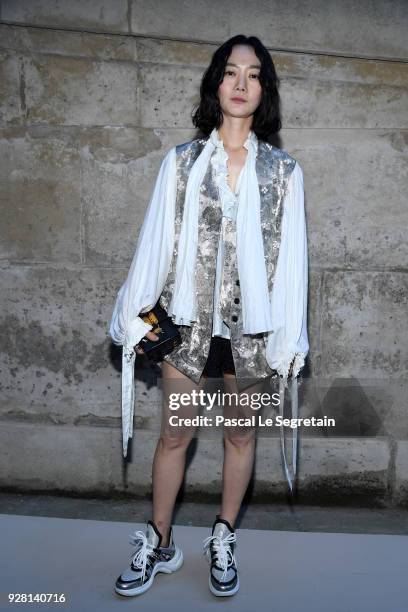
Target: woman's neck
x,y
234,133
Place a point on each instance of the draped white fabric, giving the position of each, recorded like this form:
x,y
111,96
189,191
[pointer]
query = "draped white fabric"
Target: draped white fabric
x,y
256,316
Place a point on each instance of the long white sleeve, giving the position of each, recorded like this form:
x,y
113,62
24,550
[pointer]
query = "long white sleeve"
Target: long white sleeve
x,y
145,282
151,261
289,340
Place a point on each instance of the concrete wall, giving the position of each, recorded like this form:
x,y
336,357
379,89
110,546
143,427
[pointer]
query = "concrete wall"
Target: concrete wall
x,y
93,93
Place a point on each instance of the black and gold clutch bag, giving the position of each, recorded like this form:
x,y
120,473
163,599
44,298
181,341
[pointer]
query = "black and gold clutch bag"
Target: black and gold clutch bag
x,y
163,326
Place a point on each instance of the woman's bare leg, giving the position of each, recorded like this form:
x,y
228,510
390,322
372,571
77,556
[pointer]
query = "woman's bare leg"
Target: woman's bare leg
x,y
239,452
170,456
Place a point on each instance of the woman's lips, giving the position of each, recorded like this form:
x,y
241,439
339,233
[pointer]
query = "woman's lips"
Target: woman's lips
x,y
238,100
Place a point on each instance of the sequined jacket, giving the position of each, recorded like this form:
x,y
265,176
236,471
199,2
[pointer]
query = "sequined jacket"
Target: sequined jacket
x,y
274,168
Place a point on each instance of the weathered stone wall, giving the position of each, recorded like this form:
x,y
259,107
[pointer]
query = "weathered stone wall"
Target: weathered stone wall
x,y
93,93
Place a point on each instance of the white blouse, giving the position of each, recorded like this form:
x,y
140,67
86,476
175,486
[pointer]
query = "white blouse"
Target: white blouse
x,y
151,263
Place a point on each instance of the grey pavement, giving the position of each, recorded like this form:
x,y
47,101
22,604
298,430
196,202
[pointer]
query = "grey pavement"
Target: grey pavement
x,y
302,558
280,570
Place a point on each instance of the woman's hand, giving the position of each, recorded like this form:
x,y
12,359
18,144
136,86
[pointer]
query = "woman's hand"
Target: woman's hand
x,y
150,336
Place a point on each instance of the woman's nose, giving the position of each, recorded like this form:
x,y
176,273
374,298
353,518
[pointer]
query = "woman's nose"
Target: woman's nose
x,y
241,84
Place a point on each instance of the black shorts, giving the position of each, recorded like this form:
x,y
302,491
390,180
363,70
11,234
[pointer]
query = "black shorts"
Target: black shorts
x,y
219,359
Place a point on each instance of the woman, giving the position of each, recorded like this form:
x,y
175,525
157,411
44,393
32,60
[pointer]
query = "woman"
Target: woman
x,y
224,207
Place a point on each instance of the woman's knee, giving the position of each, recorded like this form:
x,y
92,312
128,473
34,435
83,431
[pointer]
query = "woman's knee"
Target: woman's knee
x,y
176,443
241,440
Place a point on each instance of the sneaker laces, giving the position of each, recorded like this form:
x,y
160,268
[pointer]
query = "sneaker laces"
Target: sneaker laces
x,y
144,550
222,549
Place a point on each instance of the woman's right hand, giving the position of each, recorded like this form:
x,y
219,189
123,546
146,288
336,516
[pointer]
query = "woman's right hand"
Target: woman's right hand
x,y
150,336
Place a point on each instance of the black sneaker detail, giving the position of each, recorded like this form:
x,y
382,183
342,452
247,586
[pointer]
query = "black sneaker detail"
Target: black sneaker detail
x,y
220,520
156,531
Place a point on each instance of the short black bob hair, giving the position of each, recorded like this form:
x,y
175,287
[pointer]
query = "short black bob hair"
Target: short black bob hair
x,y
208,114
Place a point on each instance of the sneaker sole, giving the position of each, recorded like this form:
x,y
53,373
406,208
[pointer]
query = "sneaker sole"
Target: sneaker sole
x,y
163,567
223,593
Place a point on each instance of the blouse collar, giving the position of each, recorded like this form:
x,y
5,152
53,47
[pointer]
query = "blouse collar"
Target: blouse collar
x,y
252,140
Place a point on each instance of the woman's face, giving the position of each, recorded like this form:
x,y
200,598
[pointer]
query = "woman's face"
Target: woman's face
x,y
241,82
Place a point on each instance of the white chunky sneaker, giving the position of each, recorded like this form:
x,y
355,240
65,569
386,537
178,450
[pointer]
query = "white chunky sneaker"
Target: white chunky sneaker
x,y
148,559
219,549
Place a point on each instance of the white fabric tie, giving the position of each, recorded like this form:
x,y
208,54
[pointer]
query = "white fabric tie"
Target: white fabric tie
x,y
294,415
256,315
128,392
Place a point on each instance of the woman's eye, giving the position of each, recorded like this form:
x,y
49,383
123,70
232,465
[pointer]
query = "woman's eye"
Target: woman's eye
x,y
229,72
255,76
